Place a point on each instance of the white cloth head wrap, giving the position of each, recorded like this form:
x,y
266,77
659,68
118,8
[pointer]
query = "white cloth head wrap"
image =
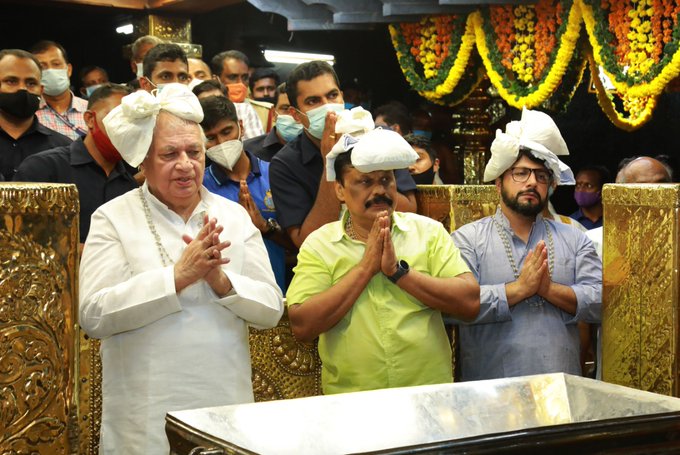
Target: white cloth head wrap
x,y
537,132
376,150
130,125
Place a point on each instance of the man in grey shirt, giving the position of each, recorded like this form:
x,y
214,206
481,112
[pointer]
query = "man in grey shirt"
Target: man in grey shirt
x,y
538,278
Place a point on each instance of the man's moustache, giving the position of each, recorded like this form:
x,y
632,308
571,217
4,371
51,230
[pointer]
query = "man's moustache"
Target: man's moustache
x,y
534,192
379,200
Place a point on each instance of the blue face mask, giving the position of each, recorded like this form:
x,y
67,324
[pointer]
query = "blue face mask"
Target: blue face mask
x,y
90,90
349,105
287,127
157,87
317,117
423,133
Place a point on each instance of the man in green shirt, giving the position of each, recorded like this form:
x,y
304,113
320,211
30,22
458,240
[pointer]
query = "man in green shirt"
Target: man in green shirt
x,y
373,286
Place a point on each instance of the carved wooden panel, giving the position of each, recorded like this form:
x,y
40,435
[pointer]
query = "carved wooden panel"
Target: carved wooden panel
x,y
38,253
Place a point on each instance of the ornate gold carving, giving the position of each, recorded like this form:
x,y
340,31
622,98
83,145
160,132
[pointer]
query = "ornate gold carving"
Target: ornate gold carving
x,y
282,366
174,29
89,394
456,205
473,134
38,247
640,286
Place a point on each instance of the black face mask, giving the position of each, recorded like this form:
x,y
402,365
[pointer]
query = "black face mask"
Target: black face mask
x,y
424,178
267,99
20,104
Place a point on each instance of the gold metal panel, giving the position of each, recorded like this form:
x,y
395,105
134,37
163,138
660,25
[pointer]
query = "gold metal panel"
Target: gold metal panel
x,y
283,367
456,205
641,286
175,29
90,394
38,252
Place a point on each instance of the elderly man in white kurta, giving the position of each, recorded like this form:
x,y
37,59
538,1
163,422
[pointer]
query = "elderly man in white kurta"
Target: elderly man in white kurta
x,y
169,290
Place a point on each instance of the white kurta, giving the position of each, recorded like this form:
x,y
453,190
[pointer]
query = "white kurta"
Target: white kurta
x,y
162,351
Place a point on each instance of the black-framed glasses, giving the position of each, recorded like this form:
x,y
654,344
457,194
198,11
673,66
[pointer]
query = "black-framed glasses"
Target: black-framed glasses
x,y
522,174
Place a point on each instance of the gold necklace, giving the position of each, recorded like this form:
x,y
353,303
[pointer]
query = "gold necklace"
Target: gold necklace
x,y
159,245
508,249
349,228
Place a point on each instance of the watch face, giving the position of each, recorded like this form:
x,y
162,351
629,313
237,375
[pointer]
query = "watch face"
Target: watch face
x,y
403,265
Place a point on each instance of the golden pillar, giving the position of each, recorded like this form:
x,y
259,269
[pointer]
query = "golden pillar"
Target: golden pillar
x,y
38,308
641,287
473,134
172,29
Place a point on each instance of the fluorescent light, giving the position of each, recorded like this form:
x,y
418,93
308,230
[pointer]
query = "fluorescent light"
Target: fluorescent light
x,y
126,29
296,57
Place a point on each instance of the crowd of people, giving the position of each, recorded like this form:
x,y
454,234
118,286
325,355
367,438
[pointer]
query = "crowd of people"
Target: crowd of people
x,y
200,183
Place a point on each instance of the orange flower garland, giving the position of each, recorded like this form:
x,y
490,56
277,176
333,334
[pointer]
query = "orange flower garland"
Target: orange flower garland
x,y
502,20
548,20
527,49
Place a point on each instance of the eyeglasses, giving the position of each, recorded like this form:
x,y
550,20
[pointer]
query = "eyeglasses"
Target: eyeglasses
x,y
522,174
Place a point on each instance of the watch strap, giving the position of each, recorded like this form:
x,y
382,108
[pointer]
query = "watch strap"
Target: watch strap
x,y
402,269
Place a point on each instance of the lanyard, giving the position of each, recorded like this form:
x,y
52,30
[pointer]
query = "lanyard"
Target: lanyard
x,y
79,131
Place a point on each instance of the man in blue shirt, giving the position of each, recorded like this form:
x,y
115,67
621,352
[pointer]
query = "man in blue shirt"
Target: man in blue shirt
x,y
241,177
588,195
537,278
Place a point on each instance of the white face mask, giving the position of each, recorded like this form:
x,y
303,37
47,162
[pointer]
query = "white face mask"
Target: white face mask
x,y
194,82
140,70
55,81
227,153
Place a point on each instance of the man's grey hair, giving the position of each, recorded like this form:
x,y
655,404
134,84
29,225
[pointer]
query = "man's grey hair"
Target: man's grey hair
x,y
143,40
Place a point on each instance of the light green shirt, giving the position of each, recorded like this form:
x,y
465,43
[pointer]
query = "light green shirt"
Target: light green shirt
x,y
388,338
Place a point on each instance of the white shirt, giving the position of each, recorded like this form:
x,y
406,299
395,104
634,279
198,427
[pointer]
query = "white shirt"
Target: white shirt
x,y
162,351
252,126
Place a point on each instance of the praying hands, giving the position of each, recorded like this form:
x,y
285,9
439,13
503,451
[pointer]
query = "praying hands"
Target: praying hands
x,y
203,259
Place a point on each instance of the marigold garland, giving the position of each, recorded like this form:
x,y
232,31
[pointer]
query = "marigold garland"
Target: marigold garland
x,y
521,88
639,109
423,51
459,65
636,65
528,52
471,78
572,78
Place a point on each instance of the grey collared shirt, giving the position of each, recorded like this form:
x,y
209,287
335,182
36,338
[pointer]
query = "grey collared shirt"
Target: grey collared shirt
x,y
534,336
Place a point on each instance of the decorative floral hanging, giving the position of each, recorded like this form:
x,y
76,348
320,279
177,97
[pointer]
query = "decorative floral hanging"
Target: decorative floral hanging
x,y
564,92
531,58
471,78
636,42
527,49
625,111
433,53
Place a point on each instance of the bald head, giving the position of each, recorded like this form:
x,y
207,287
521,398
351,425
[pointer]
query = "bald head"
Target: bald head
x,y
644,170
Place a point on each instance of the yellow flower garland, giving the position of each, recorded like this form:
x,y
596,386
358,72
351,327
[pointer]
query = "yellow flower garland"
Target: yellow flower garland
x,y
553,78
639,100
652,88
607,106
458,68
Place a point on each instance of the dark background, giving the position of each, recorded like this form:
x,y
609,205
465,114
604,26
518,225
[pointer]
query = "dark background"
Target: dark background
x,y
366,57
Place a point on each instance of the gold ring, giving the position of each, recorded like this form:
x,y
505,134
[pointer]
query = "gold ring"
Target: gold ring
x,y
332,136
209,254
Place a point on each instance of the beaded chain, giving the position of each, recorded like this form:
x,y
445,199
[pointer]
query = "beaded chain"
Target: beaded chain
x,y
349,228
161,249
508,249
